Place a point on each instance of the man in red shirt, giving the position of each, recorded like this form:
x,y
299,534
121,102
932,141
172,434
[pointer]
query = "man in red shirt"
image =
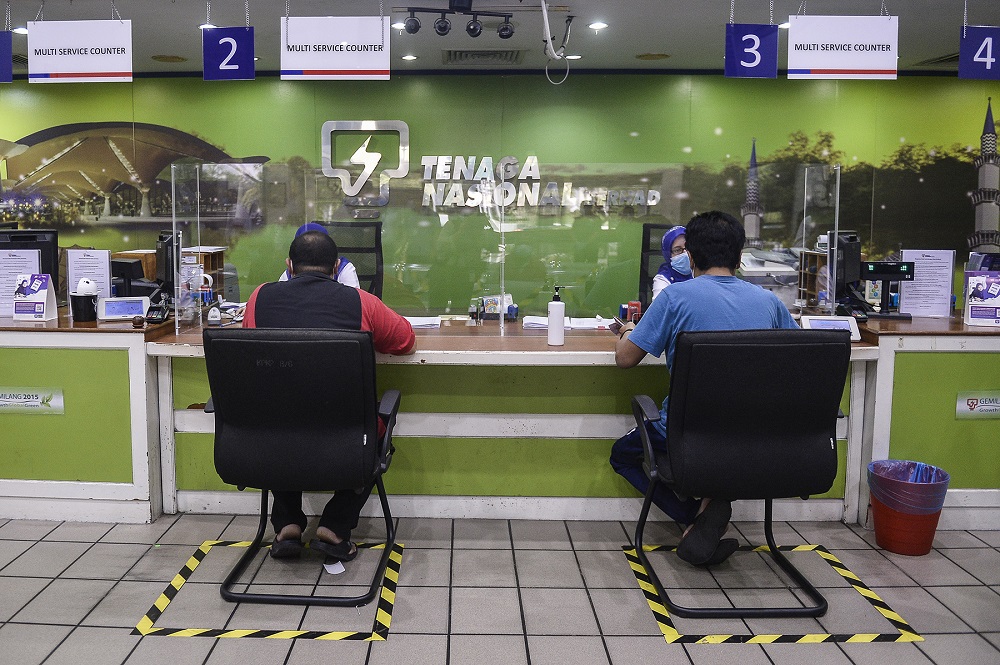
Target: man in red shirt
x,y
313,299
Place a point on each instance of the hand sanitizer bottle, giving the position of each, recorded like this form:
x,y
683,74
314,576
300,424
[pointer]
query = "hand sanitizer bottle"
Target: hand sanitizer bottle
x,y
557,321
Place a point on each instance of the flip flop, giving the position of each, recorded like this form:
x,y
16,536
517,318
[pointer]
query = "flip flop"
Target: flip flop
x,y
289,548
698,547
725,549
344,551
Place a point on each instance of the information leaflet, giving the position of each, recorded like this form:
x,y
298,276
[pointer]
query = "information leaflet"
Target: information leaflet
x,y
93,264
929,292
14,263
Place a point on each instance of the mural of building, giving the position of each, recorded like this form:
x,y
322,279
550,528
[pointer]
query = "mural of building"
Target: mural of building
x,y
751,210
986,198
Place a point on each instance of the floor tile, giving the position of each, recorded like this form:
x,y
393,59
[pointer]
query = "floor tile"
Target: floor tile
x,y
85,532
64,602
555,568
86,645
304,570
558,612
873,568
485,611
991,538
598,535
215,567
784,534
817,570
162,562
932,569
540,535
606,569
658,533
960,650
483,568
425,567
920,609
984,563
641,650
410,649
831,535
46,559
173,650
774,598
704,598
27,644
549,650
677,573
481,534
244,527
264,616
421,610
329,619
421,532
488,650
726,654
311,652
191,529
16,592
884,654
106,561
994,638
815,654
140,533
976,606
12,549
125,605
955,539
850,612
27,529
197,606
249,652
623,612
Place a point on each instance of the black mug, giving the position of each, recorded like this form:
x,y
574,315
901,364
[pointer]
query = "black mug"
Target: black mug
x,y
83,308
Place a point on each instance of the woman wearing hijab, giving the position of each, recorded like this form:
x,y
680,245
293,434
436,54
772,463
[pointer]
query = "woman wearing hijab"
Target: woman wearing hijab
x,y
344,272
677,262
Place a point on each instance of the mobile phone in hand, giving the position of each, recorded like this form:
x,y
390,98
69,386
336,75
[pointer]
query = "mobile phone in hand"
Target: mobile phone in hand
x,y
616,326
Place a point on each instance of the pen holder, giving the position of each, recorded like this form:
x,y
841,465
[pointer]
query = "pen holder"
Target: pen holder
x,y
83,307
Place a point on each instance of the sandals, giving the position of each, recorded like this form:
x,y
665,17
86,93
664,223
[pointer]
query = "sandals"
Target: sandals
x,y
703,540
344,551
289,548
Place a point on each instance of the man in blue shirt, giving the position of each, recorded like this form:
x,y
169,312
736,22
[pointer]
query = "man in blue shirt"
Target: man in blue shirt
x,y
714,300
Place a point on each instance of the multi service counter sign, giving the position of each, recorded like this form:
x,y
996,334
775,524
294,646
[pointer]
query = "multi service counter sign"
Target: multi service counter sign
x,y
332,48
79,51
842,47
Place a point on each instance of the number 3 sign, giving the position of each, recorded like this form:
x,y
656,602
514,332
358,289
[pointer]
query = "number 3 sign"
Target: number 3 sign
x,y
227,54
978,53
751,51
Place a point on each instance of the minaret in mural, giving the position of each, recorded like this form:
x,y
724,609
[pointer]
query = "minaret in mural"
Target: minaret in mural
x,y
986,198
751,210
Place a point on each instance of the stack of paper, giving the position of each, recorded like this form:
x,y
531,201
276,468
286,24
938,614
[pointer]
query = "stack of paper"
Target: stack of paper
x,y
542,322
424,321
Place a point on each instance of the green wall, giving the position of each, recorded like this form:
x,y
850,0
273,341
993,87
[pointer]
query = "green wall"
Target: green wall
x,y
92,439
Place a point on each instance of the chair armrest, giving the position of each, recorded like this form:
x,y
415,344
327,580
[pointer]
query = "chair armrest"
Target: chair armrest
x,y
210,406
645,411
388,407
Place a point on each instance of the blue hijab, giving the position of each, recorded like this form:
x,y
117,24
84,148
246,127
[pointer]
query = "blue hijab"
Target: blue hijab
x,y
668,240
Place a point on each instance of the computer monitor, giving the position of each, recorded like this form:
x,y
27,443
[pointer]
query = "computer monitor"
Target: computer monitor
x,y
8,225
844,258
46,241
123,272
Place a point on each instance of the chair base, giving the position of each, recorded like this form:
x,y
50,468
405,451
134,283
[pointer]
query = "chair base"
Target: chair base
x,y
329,601
817,609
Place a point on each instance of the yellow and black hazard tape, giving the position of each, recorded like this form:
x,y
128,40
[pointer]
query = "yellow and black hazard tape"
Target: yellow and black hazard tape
x,y
379,631
670,633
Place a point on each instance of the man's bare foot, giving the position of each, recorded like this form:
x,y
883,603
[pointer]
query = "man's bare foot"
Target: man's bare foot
x,y
289,532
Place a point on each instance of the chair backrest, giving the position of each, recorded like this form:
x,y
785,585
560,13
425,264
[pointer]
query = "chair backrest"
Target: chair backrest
x,y
752,414
361,243
652,259
294,409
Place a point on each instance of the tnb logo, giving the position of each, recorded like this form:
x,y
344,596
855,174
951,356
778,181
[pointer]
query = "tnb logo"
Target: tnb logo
x,y
369,160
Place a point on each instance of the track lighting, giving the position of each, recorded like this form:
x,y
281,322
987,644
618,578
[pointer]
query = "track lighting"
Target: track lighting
x,y
474,27
412,24
442,26
506,30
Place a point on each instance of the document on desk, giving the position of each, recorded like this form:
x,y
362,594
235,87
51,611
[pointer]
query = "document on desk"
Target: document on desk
x,y
93,264
424,321
14,262
571,323
929,293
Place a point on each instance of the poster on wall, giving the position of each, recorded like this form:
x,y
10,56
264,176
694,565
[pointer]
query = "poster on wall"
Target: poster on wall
x,y
79,51
842,47
332,48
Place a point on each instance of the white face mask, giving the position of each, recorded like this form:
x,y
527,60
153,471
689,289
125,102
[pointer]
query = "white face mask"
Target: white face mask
x,y
681,263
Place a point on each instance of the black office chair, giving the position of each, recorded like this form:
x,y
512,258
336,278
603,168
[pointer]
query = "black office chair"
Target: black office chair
x,y
361,243
296,410
651,259
752,414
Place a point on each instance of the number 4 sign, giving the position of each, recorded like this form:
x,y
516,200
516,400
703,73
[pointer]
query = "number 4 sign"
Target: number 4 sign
x,y
978,52
751,51
227,54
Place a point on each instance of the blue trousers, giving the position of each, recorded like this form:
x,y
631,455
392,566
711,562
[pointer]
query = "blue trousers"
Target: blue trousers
x,y
626,459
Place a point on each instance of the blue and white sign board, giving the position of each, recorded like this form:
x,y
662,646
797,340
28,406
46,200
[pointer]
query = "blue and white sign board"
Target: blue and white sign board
x,y
979,53
36,401
843,47
332,48
35,298
79,51
6,56
228,54
751,51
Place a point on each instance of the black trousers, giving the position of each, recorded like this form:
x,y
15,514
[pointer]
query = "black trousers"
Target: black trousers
x,y
340,514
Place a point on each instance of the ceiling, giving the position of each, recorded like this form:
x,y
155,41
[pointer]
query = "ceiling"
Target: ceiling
x,y
690,32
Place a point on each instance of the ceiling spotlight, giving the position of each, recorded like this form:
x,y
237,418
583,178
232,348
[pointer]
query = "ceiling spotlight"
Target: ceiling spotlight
x,y
506,30
474,27
20,31
398,25
409,57
598,25
442,26
207,26
412,24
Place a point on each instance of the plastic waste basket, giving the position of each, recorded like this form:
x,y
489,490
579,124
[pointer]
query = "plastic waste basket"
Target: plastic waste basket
x,y
906,499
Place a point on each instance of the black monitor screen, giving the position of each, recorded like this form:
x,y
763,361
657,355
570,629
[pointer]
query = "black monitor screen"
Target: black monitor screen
x,y
46,241
166,256
848,261
893,271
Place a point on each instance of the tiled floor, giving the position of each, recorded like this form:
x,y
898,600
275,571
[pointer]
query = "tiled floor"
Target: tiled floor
x,y
480,591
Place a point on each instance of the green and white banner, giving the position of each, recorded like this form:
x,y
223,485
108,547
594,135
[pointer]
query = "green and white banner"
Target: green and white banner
x,y
45,401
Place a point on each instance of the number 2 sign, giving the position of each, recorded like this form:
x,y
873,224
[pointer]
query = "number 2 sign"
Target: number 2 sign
x,y
227,54
751,50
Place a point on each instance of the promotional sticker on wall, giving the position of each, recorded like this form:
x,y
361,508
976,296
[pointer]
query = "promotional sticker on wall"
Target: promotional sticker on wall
x,y
331,48
977,405
38,401
842,47
79,51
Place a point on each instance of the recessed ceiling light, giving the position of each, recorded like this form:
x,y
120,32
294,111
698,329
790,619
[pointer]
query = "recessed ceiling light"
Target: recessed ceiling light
x,y
409,57
597,25
398,25
207,26
785,26
652,56
20,31
169,58
573,57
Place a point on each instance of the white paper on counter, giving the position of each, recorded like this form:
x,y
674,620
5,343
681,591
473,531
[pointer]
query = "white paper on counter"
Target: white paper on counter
x,y
94,264
424,321
929,293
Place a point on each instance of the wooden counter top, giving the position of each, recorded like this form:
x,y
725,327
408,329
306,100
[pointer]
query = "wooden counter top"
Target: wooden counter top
x,y
953,325
65,323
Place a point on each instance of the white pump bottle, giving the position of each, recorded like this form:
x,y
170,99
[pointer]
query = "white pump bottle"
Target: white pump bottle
x,y
557,321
